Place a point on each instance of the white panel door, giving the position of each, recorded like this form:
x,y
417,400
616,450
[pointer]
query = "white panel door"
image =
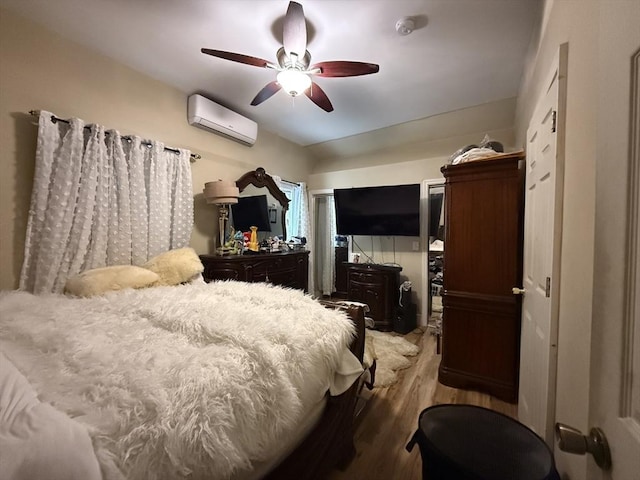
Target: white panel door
x,y
543,216
615,357
614,370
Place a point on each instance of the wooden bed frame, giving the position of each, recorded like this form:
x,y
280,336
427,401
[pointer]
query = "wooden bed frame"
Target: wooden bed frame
x,y
330,443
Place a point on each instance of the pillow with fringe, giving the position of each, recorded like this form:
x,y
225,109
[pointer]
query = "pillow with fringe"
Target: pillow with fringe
x,y
98,281
175,266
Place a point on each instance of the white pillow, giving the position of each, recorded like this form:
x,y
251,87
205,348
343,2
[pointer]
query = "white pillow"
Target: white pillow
x,y
176,266
101,280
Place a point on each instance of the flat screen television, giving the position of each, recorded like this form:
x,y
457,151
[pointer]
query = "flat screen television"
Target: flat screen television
x,y
387,211
251,212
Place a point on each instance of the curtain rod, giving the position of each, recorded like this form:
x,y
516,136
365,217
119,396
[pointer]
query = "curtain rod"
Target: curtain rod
x,y
289,181
54,119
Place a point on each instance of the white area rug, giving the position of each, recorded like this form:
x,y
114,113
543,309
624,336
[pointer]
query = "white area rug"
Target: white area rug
x,y
390,352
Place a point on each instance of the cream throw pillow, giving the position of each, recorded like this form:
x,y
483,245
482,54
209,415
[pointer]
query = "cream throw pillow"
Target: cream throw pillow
x,y
175,266
117,277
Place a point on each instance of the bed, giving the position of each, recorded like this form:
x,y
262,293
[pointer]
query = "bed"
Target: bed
x,y
225,380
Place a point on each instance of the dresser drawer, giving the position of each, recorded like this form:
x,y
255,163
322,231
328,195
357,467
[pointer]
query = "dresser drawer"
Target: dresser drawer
x,y
224,271
377,286
366,278
288,269
263,266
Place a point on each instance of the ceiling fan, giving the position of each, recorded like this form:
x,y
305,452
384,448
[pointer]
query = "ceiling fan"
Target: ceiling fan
x,y
293,64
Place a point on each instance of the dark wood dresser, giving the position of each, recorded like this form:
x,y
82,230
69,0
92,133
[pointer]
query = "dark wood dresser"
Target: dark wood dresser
x,y
484,215
342,255
377,286
288,269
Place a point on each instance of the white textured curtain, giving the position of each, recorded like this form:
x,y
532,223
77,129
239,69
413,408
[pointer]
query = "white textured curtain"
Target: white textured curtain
x,y
298,216
300,213
101,199
328,255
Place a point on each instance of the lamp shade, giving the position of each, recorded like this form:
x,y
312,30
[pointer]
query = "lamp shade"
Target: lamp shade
x,y
221,192
294,82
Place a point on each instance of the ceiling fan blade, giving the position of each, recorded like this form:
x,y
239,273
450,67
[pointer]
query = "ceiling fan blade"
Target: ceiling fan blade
x,y
294,34
267,92
340,68
317,96
237,57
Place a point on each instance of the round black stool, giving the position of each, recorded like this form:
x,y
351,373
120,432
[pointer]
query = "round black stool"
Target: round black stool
x,y
465,442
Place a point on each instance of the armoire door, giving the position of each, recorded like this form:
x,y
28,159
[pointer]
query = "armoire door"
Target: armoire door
x,y
484,238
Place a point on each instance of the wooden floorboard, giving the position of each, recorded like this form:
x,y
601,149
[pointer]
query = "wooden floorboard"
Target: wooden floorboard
x,y
390,417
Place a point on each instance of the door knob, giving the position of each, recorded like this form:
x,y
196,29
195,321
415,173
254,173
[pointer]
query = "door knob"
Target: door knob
x,y
517,291
571,440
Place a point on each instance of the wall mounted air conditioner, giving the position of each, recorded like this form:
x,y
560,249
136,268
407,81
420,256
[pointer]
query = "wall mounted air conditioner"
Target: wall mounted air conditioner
x,y
206,114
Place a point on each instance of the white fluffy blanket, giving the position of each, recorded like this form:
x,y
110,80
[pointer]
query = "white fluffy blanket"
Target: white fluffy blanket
x,y
192,381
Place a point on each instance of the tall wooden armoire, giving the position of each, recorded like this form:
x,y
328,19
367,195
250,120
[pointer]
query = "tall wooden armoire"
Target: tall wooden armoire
x,y
484,213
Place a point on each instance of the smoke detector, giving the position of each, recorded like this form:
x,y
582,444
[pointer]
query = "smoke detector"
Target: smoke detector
x,y
405,26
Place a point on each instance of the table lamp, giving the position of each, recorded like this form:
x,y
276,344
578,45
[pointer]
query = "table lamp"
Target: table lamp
x,y
222,193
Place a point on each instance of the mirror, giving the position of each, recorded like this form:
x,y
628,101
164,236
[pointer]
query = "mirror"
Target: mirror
x,y
436,252
258,188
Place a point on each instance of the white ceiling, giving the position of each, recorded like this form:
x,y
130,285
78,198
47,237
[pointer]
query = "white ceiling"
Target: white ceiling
x,y
463,53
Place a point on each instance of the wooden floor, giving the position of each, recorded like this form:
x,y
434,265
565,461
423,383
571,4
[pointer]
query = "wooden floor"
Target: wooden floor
x,y
390,418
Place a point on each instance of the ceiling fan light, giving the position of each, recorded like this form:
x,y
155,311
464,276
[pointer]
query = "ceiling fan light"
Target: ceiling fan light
x,y
294,82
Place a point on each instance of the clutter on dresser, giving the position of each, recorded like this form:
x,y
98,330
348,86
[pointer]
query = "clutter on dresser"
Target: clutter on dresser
x,y
297,243
341,241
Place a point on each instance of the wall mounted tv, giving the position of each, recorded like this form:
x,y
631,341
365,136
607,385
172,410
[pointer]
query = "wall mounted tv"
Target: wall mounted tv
x,y
251,212
386,211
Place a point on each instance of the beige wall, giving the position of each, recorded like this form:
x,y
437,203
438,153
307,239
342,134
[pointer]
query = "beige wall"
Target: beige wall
x,y
575,22
407,153
40,70
428,138
43,71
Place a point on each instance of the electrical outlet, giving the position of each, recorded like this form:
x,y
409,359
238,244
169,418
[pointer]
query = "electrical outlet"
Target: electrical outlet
x,y
416,246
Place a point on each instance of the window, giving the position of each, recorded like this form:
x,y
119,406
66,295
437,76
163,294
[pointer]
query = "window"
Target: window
x,y
297,217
